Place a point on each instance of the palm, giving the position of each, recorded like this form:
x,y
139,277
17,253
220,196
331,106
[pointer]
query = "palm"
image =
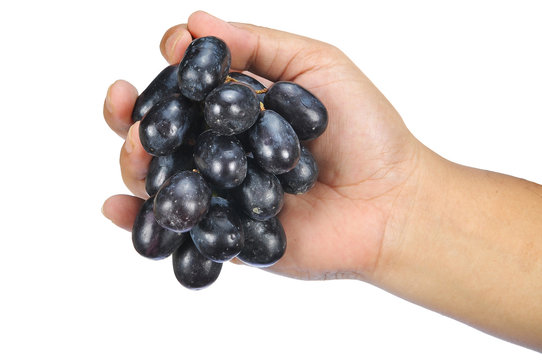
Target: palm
x,y
364,159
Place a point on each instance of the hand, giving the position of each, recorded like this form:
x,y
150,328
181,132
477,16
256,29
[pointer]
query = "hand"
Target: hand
x,y
385,209
366,156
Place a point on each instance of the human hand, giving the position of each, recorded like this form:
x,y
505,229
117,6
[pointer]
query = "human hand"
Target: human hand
x,y
385,209
366,156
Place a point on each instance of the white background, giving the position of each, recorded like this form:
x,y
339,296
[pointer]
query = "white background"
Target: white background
x,y
465,75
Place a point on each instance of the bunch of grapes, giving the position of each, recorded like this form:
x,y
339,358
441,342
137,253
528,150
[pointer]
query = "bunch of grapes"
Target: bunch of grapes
x,y
225,149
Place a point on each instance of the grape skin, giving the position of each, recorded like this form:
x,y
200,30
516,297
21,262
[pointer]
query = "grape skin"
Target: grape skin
x,y
220,159
164,85
205,65
265,242
250,81
231,108
303,110
219,235
193,270
260,196
149,238
162,167
182,201
302,178
274,143
163,129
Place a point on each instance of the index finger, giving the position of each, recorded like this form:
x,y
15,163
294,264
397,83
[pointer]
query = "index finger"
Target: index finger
x,y
272,54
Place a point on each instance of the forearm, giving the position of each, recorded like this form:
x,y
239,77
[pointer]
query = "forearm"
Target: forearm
x,y
470,248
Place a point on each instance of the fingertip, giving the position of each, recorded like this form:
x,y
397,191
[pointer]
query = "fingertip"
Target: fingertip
x,y
118,105
199,15
174,43
122,210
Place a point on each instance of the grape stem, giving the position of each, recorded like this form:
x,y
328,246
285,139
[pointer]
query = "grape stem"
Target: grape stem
x,y
230,79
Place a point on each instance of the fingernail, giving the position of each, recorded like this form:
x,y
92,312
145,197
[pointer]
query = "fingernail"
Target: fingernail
x,y
108,102
129,144
172,41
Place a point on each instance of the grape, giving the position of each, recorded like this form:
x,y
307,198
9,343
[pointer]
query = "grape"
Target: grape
x,y
302,178
231,108
205,65
164,85
162,167
192,269
244,142
260,196
219,235
299,107
265,242
220,159
163,129
182,201
250,81
274,143
149,238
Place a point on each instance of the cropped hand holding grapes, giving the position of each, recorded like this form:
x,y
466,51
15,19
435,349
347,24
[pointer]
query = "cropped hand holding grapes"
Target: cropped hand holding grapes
x,y
385,209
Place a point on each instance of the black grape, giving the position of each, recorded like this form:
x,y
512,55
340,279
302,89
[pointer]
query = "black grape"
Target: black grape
x,y
162,167
302,178
250,81
205,65
231,108
265,242
164,85
192,269
274,143
306,114
219,235
149,238
163,129
260,196
220,159
182,201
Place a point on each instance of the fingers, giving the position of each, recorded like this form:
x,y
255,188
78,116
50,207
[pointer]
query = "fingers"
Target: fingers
x,y
119,102
134,163
272,54
174,43
122,210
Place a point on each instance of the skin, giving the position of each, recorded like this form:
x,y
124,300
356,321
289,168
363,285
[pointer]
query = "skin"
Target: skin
x,y
386,209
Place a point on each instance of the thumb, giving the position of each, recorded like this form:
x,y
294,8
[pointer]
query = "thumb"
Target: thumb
x,y
272,54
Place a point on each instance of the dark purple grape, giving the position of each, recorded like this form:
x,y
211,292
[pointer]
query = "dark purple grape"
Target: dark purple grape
x,y
219,235
182,201
163,86
163,129
220,159
162,167
306,114
250,81
265,242
204,66
192,269
302,178
260,196
231,108
274,143
150,239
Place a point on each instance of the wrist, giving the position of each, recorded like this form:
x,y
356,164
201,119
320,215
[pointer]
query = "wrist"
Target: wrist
x,y
466,243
